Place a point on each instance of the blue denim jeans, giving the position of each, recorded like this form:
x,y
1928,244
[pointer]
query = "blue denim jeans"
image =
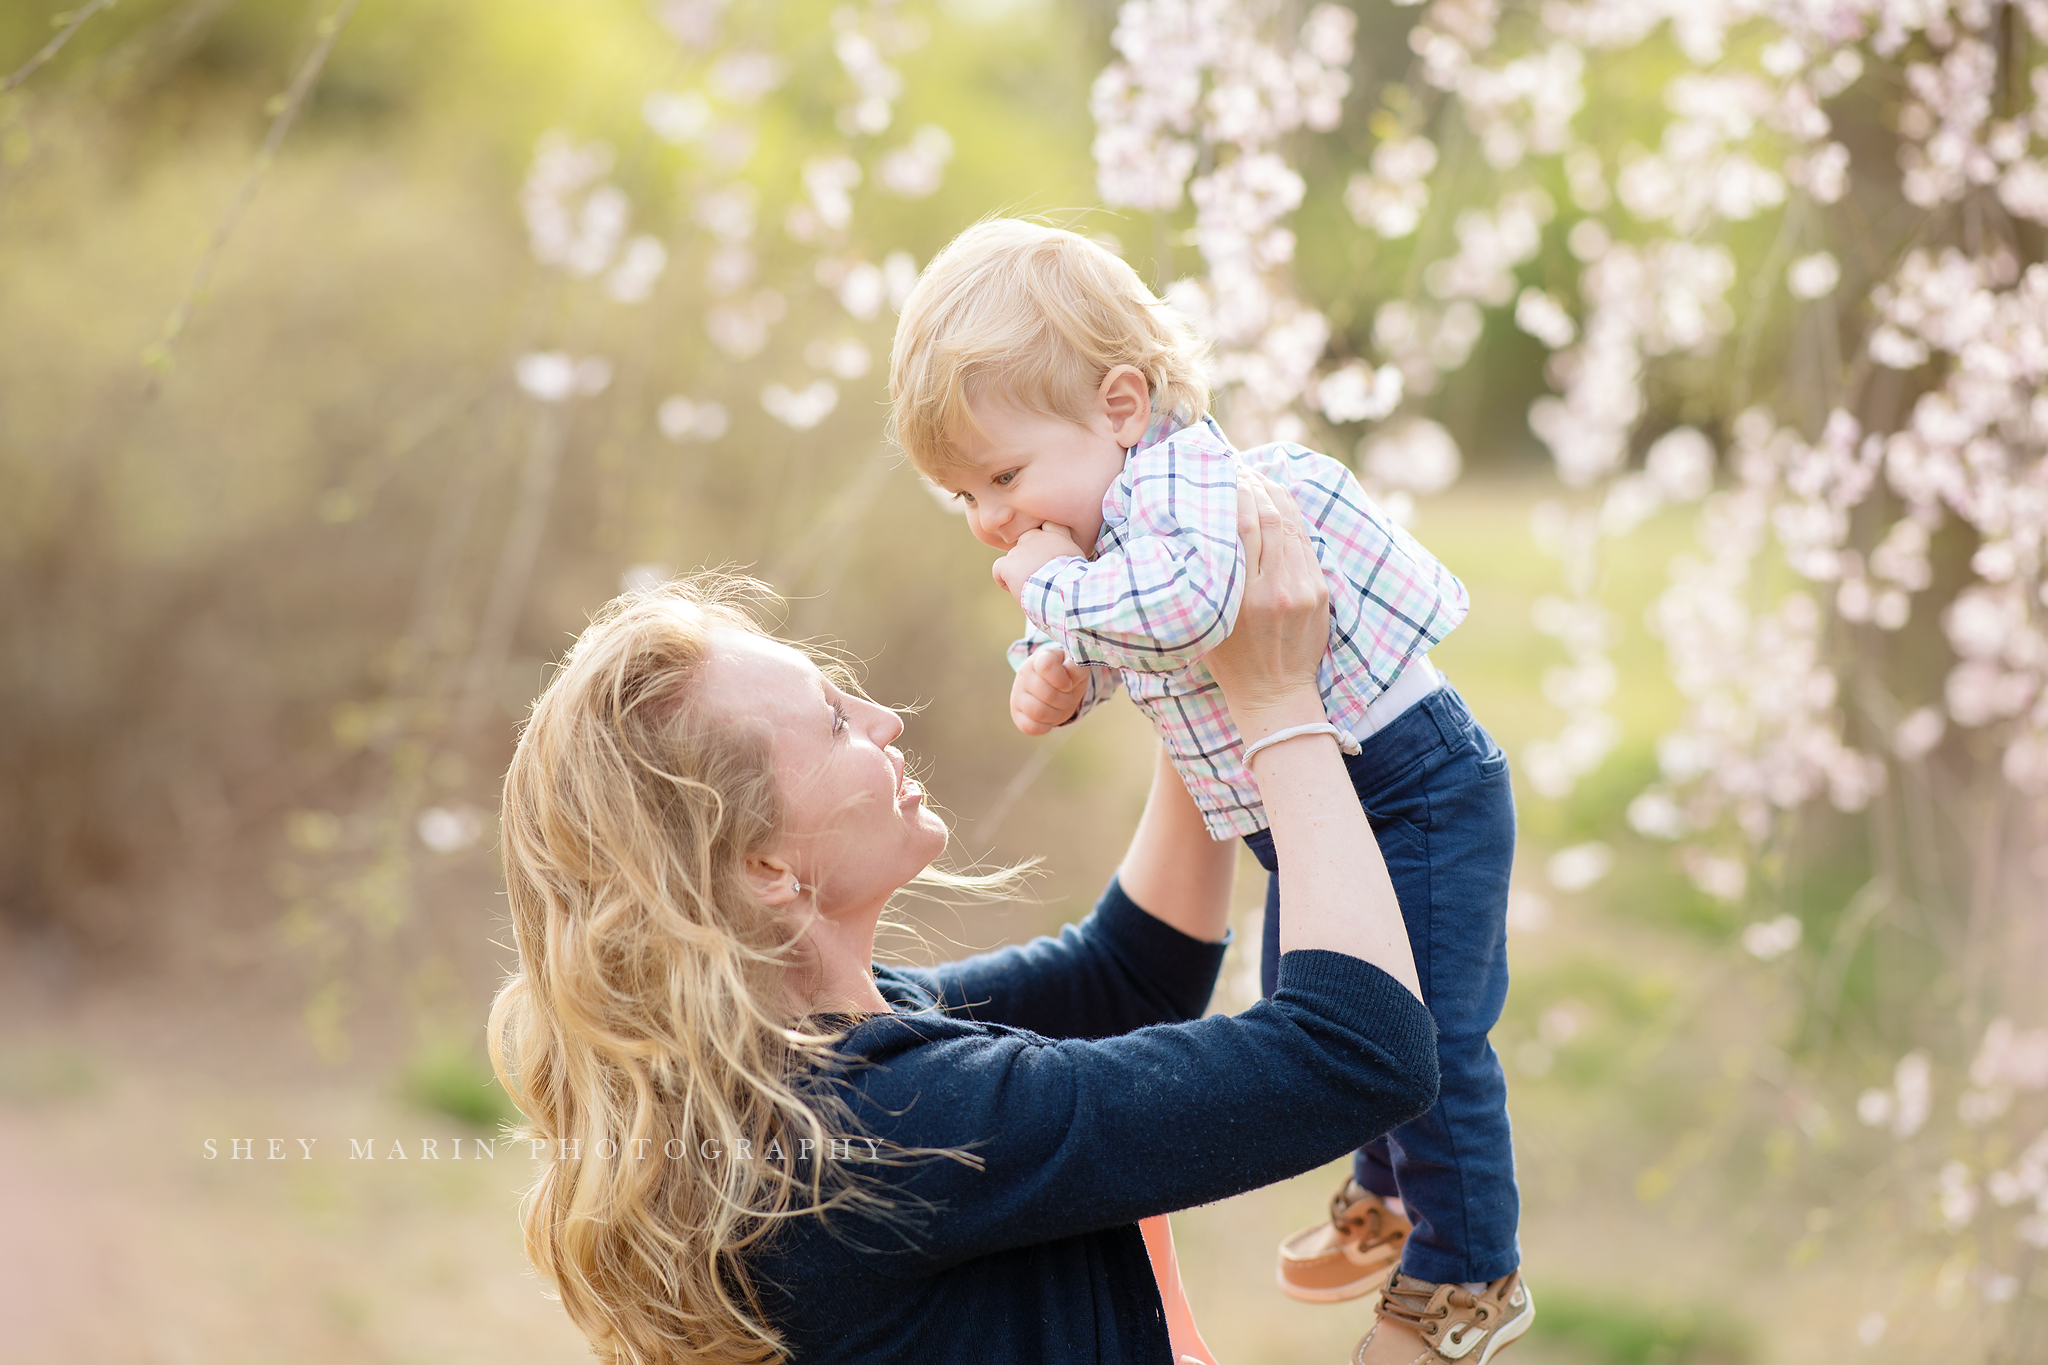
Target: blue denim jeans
x,y
1435,788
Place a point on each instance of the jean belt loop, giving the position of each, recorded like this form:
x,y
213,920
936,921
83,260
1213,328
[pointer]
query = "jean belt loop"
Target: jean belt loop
x,y
1453,720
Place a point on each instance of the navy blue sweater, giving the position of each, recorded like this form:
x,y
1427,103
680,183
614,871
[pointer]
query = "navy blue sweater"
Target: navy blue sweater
x,y
1042,1061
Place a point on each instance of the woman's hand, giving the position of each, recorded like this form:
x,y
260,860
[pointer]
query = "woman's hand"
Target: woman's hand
x,y
1334,890
1267,668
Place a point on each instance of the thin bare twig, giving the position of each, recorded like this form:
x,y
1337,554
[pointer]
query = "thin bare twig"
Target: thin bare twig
x,y
287,106
56,44
986,827
1760,298
828,543
1857,916
515,570
159,46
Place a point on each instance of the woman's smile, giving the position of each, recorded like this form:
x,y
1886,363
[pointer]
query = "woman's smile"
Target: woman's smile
x,y
908,788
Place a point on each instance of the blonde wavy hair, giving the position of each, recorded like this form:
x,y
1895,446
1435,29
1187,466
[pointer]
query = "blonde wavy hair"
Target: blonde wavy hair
x,y
649,1007
1037,315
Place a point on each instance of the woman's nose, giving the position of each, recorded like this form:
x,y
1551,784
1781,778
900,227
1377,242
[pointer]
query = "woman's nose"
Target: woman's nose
x,y
889,726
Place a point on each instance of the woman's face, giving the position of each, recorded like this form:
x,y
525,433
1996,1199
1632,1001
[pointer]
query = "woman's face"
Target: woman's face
x,y
857,824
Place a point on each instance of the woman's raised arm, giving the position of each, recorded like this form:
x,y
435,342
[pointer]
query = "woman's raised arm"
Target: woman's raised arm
x,y
1147,956
1335,892
1173,868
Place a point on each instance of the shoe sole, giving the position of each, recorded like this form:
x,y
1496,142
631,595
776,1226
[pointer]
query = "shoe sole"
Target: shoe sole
x,y
1511,1331
1343,1293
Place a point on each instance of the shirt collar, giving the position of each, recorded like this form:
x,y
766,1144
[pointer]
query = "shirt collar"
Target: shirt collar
x,y
1163,425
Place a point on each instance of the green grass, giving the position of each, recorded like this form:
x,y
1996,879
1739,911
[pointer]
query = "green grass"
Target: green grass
x,y
1612,1332
455,1081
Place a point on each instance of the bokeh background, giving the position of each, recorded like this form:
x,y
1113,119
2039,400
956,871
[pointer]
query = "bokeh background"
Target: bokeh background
x,y
351,355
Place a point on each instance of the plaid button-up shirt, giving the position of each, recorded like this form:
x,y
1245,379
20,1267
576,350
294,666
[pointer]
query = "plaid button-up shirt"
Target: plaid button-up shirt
x,y
1167,577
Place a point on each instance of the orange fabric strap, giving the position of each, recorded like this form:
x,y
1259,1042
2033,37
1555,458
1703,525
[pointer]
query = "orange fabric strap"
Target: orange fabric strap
x,y
1188,1346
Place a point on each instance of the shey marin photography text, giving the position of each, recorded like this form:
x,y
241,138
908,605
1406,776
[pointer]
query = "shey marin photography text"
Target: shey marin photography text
x,y
537,1149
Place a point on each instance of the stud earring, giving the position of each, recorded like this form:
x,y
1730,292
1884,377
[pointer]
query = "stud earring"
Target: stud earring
x,y
796,887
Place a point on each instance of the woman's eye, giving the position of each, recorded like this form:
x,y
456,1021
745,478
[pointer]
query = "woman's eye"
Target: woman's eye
x,y
839,721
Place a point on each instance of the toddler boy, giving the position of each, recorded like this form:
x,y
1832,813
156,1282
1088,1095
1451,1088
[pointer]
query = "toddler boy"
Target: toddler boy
x,y
1038,380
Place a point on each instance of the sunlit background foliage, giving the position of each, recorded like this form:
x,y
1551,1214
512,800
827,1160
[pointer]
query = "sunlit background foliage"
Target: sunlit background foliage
x,y
351,354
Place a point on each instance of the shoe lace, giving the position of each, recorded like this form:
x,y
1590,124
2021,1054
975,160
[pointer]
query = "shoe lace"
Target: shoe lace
x,y
1423,1306
1348,1215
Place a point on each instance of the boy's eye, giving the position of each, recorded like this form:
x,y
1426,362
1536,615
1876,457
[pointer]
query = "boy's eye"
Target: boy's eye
x,y
1004,479
965,497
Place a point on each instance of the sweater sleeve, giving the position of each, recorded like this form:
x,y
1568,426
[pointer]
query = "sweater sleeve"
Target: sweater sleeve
x,y
1167,591
1119,969
1079,1135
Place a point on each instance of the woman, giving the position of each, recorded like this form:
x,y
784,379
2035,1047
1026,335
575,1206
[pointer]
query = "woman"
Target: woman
x,y
765,1146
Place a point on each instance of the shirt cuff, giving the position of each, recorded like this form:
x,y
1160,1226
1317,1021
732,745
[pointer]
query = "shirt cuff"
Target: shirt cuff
x,y
1036,596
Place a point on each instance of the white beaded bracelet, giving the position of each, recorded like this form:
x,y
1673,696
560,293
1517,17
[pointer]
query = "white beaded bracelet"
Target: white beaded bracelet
x,y
1344,741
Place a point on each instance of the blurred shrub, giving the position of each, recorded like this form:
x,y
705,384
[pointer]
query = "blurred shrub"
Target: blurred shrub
x,y
453,1079
1617,1332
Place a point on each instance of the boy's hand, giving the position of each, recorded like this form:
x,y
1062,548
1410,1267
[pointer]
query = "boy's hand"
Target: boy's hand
x,y
1047,691
1034,549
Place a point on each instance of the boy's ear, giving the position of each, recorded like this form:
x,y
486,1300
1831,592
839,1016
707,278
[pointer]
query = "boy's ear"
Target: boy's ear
x,y
1127,402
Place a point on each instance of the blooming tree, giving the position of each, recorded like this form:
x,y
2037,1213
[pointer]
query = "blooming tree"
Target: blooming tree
x,y
1201,88
807,269
579,221
1760,296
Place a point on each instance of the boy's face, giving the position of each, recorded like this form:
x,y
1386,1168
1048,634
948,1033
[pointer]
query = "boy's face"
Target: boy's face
x,y
1023,469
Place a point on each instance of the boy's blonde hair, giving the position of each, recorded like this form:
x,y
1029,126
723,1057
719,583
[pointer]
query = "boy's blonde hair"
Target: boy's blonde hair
x,y
1037,315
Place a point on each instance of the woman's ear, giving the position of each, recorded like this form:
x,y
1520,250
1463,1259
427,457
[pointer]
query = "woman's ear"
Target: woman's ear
x,y
773,880
1127,402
